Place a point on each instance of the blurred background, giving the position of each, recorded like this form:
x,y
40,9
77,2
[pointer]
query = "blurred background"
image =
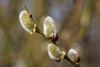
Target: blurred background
x,y
77,22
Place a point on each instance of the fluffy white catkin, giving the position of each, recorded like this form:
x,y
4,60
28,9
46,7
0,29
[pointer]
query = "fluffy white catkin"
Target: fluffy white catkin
x,y
73,55
49,27
54,52
27,22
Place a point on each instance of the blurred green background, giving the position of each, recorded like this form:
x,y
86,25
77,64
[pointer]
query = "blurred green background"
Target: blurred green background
x,y
77,22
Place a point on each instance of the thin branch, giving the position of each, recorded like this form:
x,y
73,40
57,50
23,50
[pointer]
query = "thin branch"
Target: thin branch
x,y
66,58
75,64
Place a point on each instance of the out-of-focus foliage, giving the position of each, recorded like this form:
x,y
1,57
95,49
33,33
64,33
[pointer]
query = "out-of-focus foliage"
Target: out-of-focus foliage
x,y
78,24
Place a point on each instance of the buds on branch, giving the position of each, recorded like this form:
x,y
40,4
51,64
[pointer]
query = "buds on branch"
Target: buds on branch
x,y
49,32
73,55
54,52
26,22
49,29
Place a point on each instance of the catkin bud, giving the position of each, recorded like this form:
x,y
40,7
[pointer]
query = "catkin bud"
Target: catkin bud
x,y
49,28
55,53
27,22
73,55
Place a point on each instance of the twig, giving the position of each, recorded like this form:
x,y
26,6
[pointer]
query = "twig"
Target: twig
x,y
65,57
75,64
